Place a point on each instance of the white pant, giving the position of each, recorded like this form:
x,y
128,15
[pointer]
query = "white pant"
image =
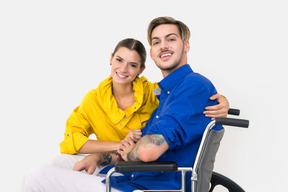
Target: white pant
x,y
66,161
60,177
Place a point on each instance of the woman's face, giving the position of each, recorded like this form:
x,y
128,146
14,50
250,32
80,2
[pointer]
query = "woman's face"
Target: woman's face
x,y
125,66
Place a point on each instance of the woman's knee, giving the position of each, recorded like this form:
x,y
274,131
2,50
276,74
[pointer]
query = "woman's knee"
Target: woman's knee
x,y
67,161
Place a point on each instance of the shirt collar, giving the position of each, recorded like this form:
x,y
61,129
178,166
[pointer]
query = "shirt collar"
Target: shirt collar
x,y
169,82
108,101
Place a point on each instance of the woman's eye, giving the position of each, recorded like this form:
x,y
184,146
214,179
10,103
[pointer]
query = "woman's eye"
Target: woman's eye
x,y
133,65
119,60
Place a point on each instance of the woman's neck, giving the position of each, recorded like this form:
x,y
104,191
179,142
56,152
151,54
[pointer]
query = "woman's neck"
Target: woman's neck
x,y
124,95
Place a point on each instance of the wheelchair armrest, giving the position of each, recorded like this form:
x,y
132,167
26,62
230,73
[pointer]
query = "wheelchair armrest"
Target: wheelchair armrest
x,y
139,166
232,122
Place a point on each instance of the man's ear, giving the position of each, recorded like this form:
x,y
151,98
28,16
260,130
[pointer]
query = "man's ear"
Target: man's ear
x,y
187,46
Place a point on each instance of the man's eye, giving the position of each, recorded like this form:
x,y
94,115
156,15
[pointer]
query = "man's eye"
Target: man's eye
x,y
155,43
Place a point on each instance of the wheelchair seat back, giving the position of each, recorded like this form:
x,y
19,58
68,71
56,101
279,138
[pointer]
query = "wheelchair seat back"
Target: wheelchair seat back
x,y
204,162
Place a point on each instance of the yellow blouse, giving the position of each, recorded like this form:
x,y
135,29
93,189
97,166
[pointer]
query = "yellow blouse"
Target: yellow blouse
x,y
98,113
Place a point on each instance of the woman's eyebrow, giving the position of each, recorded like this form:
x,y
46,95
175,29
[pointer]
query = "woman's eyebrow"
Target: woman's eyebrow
x,y
119,57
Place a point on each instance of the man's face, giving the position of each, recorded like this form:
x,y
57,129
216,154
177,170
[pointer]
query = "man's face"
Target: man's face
x,y
168,50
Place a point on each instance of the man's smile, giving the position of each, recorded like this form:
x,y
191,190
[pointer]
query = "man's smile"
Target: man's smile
x,y
166,54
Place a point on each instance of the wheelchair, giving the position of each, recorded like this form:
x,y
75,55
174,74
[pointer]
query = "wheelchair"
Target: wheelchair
x,y
203,179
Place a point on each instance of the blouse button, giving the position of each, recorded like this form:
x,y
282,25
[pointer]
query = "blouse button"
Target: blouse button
x,y
157,116
168,92
120,124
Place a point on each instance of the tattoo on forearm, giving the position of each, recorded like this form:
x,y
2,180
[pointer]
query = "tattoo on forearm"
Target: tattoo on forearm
x,y
132,156
155,140
106,158
148,141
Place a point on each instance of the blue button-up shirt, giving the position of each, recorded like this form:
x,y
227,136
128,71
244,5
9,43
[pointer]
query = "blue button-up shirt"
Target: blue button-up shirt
x,y
179,118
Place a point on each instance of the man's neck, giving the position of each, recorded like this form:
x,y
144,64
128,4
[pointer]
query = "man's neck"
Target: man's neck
x,y
165,73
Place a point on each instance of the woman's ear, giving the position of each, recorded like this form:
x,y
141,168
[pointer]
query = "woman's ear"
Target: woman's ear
x,y
141,70
111,57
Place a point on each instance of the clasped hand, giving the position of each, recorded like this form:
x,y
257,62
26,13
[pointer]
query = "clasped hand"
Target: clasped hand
x,y
129,142
125,148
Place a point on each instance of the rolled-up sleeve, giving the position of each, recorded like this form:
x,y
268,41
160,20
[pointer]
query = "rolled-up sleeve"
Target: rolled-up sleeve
x,y
76,134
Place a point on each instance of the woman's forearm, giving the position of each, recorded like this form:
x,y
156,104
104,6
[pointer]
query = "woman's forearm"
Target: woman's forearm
x,y
95,146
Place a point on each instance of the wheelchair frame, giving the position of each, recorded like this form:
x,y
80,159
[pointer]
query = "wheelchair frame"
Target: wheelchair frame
x,y
203,165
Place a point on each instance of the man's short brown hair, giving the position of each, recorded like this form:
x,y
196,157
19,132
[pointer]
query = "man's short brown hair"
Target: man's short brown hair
x,y
183,29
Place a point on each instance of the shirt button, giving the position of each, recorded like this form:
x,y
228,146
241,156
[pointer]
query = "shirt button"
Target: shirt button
x,y
126,117
168,92
132,175
157,116
67,134
120,124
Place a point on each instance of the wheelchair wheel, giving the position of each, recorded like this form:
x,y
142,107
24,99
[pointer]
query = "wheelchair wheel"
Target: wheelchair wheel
x,y
218,179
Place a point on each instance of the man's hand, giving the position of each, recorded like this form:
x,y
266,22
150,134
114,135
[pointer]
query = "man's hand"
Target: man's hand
x,y
220,110
88,164
134,134
125,148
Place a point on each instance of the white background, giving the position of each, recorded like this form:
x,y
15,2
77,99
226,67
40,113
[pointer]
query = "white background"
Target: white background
x,y
53,52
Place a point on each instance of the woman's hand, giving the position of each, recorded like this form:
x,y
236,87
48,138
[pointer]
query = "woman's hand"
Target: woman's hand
x,y
220,110
125,148
89,164
134,134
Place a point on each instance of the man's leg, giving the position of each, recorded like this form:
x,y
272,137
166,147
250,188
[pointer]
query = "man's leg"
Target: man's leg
x,y
52,178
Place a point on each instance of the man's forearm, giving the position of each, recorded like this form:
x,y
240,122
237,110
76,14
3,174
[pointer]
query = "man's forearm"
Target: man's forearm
x,y
107,158
148,148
